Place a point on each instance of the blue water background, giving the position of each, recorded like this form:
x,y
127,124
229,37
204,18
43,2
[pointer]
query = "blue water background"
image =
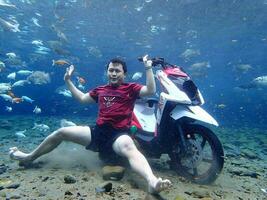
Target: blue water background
x,y
225,32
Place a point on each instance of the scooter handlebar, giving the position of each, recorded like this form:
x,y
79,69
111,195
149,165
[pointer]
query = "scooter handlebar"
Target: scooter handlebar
x,y
155,61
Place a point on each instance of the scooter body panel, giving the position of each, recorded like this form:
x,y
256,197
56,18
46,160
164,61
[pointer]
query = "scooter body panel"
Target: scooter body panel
x,y
193,112
145,116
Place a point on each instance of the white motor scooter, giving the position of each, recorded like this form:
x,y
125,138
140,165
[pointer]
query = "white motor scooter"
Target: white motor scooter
x,y
173,124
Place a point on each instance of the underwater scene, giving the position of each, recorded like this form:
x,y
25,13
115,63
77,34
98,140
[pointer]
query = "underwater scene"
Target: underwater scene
x,y
220,49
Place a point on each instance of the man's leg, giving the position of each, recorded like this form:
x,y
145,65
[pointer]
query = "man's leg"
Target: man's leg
x,y
77,134
125,146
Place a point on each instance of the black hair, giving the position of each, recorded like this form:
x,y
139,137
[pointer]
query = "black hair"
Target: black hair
x,y
119,61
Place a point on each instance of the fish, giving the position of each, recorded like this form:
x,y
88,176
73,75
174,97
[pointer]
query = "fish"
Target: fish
x,y
35,21
38,14
60,62
11,55
8,109
65,92
41,127
27,99
37,110
38,51
62,37
4,87
5,4
39,78
81,80
20,133
20,83
58,47
12,76
24,72
189,53
154,29
61,51
95,51
221,106
2,66
137,75
17,100
243,68
9,26
42,48
66,123
199,66
38,42
16,62
258,82
6,97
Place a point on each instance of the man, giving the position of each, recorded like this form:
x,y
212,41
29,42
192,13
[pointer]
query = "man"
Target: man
x,y
116,102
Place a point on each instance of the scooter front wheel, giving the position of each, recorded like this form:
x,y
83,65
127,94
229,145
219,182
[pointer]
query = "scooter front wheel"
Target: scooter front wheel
x,y
203,159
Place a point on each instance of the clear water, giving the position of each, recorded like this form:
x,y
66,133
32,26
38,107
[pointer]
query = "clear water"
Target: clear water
x,y
222,44
226,34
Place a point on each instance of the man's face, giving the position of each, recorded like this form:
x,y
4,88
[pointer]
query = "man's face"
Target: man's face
x,y
115,74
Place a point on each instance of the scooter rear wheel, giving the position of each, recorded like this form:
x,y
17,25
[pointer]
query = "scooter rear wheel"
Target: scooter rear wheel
x,y
204,157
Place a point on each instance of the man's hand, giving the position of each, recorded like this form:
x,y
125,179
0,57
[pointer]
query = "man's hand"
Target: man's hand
x,y
147,63
69,71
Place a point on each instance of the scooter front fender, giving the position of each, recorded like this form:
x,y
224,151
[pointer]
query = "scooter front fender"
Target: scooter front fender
x,y
193,112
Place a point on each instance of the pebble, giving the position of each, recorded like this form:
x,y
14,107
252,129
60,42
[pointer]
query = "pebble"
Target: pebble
x,y
3,168
250,174
5,124
13,186
69,179
2,194
249,154
104,187
200,194
113,172
68,192
179,198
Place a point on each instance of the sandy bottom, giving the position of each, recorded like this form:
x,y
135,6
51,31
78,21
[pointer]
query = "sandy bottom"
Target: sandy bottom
x,y
243,176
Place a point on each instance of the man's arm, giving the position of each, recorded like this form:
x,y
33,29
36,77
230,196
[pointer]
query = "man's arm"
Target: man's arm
x,y
150,87
79,95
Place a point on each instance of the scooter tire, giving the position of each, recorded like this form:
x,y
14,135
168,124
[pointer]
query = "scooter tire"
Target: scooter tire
x,y
217,156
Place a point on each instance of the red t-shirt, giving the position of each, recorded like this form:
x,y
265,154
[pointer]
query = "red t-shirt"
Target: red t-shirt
x,y
116,104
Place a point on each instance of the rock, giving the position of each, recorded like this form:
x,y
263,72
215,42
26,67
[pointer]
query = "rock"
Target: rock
x,y
179,198
3,168
4,182
69,179
5,124
45,179
13,186
104,187
68,192
15,196
2,194
249,154
113,172
200,194
236,172
250,174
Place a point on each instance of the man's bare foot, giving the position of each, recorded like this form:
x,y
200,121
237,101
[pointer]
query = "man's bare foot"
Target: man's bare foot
x,y
15,154
159,185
